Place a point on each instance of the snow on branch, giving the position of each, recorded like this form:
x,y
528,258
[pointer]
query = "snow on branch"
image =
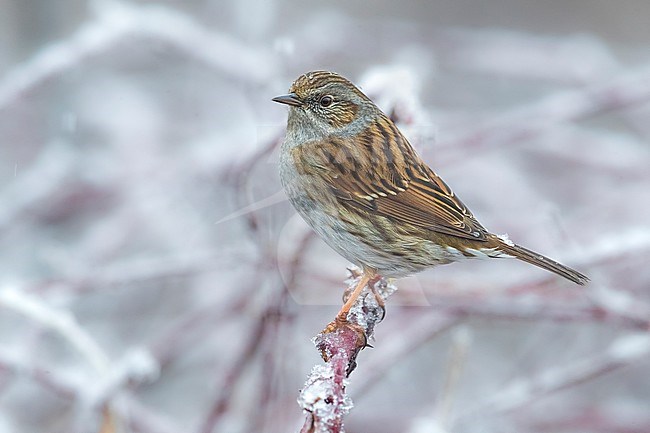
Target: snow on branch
x,y
58,320
136,365
324,396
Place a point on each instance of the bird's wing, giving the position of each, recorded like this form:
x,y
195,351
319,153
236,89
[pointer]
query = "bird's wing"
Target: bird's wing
x,y
382,174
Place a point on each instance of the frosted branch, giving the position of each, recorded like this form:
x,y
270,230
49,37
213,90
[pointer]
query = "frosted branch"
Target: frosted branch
x,y
46,176
116,21
627,90
324,396
521,392
60,321
136,366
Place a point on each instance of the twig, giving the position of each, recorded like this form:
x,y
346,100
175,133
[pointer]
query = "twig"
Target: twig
x,y
60,321
116,21
266,323
521,392
230,379
421,330
64,389
601,418
324,396
46,178
143,419
495,308
627,90
276,341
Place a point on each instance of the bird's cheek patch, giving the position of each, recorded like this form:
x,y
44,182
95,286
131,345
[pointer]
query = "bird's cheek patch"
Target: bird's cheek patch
x,y
342,114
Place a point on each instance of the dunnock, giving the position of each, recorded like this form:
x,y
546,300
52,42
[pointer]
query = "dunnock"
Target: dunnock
x,y
356,180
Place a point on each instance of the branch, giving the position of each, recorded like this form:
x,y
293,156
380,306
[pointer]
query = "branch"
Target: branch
x,y
64,323
628,89
522,392
116,22
420,328
324,396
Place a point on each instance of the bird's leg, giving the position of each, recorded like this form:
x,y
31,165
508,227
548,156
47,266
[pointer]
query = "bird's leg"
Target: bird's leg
x,y
380,301
342,316
342,334
345,309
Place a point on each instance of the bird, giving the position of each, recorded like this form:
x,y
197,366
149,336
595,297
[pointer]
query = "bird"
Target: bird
x,y
357,181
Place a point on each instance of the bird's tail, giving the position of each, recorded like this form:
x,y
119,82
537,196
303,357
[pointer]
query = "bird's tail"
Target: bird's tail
x,y
537,259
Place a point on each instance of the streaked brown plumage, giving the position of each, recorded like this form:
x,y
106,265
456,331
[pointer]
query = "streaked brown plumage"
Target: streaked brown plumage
x,y
357,181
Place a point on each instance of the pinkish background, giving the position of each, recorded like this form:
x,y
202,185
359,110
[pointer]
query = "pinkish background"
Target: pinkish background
x,y
154,279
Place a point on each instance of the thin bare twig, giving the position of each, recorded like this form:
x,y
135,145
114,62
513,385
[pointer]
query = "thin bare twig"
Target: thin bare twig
x,y
521,392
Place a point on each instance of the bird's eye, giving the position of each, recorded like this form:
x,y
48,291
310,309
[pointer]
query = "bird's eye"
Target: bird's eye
x,y
326,101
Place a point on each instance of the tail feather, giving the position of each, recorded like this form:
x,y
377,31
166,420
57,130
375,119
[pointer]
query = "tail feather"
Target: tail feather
x,y
539,260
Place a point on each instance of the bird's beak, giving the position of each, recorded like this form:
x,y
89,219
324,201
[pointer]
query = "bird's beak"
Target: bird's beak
x,y
289,99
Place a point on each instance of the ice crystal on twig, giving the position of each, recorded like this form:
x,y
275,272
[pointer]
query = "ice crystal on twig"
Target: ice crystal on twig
x,y
324,395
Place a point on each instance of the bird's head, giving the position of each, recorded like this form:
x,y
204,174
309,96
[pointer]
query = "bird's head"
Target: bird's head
x,y
325,101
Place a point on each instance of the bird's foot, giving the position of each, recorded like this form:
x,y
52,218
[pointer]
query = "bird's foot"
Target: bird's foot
x,y
341,334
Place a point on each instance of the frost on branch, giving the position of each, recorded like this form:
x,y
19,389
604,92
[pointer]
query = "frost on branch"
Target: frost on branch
x,y
324,395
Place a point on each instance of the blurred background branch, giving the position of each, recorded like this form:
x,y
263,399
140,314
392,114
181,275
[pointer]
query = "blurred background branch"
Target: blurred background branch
x,y
153,279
